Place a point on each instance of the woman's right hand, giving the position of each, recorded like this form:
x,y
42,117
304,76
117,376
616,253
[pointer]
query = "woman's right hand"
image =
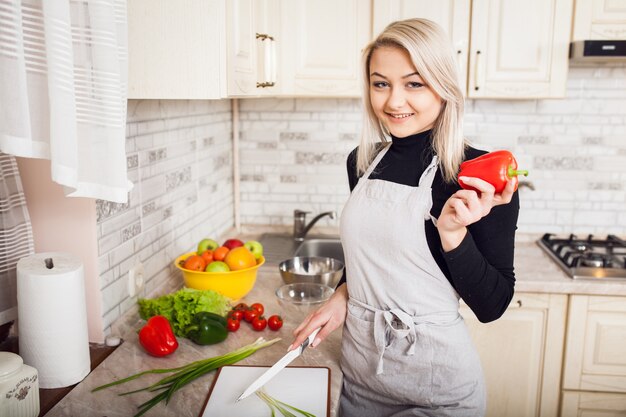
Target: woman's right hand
x,y
329,317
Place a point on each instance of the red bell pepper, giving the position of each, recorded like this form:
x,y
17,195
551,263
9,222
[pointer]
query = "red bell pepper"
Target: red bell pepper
x,y
157,337
497,168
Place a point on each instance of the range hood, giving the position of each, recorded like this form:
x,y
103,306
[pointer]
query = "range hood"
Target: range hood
x,y
598,51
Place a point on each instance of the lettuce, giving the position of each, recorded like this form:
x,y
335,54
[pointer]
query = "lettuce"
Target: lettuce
x,y
180,307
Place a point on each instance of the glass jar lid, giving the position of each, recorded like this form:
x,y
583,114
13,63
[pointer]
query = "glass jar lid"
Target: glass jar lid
x,y
9,363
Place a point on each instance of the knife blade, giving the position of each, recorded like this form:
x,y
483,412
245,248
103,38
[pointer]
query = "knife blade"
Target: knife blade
x,y
278,366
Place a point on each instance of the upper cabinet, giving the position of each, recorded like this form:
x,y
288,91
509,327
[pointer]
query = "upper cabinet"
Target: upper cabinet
x,y
251,52
517,48
176,49
599,19
452,15
200,49
321,43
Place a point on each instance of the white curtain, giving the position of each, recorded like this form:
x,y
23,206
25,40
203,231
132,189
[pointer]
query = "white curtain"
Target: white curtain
x,y
63,83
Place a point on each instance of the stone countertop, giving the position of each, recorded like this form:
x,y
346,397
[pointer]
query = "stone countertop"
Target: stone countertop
x,y
535,272
130,358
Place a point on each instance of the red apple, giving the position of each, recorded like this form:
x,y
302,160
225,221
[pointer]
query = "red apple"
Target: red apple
x,y
233,243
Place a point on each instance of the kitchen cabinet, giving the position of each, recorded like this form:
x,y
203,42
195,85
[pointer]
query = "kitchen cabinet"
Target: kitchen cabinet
x,y
593,404
518,49
320,46
599,19
452,15
176,49
251,47
199,49
521,355
595,358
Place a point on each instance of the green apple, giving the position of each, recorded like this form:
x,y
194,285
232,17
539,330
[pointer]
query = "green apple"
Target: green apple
x,y
255,247
217,266
207,244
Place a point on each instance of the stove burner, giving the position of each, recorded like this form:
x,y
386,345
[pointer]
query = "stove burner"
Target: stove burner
x,y
587,258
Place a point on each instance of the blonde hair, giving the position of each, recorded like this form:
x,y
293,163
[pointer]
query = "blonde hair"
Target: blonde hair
x,y
431,53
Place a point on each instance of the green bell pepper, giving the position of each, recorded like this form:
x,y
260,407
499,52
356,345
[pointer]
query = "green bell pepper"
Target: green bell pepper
x,y
207,328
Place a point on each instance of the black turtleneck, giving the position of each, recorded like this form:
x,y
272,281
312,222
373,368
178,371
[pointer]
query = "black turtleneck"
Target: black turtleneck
x,y
481,268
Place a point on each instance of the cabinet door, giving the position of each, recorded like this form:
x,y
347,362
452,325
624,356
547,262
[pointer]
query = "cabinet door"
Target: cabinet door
x,y
452,15
519,48
321,46
596,338
241,47
599,19
521,355
591,404
176,49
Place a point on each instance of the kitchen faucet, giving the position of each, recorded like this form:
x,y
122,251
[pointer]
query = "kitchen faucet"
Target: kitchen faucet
x,y
299,221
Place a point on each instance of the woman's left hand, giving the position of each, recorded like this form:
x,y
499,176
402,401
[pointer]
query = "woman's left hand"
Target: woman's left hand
x,y
468,206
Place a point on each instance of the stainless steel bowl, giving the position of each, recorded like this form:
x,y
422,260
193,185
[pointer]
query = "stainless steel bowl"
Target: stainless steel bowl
x,y
314,269
304,293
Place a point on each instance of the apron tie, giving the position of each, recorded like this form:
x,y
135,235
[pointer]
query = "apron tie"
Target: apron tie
x,y
389,326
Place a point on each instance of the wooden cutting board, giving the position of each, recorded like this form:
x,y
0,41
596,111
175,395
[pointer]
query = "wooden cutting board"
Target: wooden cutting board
x,y
304,387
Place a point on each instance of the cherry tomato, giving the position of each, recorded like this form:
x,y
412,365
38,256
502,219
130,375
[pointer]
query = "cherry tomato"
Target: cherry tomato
x,y
275,322
232,325
259,323
258,307
250,315
236,315
241,306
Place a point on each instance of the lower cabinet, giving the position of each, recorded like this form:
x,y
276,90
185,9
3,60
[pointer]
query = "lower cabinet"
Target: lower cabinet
x,y
521,355
594,374
593,404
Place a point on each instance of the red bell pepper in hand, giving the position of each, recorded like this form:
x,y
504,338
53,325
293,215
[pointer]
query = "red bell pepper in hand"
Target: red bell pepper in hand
x,y
157,337
497,168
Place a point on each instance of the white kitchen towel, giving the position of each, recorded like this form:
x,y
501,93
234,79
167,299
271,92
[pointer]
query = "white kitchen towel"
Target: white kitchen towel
x,y
52,318
16,234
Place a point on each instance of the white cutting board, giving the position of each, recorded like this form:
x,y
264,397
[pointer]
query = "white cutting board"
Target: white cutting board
x,y
306,388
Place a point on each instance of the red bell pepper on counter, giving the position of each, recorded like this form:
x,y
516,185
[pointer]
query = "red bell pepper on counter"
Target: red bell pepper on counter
x,y
497,168
157,337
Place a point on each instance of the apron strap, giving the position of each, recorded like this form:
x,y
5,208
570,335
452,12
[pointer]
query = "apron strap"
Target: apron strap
x,y
373,165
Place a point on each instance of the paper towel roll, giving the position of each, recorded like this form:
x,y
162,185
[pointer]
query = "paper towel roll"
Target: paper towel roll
x,y
52,318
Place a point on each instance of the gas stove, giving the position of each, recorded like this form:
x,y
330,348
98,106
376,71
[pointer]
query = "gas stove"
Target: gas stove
x,y
587,258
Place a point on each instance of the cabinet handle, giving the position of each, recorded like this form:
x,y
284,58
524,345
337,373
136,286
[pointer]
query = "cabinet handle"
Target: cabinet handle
x,y
274,62
477,70
269,60
264,36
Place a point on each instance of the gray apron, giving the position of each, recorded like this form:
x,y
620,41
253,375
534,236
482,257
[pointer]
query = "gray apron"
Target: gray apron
x,y
405,349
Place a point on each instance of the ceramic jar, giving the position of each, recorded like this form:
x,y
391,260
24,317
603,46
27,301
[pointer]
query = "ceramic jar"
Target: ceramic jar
x,y
19,387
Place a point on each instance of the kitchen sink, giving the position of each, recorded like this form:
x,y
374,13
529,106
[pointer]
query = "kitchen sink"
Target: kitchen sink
x,y
279,247
330,248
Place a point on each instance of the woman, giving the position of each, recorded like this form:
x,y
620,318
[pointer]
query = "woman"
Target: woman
x,y
414,242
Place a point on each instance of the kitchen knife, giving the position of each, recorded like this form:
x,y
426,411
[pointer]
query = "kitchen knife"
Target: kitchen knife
x,y
278,366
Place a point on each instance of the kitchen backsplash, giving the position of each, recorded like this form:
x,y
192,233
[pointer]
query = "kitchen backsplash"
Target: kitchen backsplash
x,y
294,150
293,155
179,157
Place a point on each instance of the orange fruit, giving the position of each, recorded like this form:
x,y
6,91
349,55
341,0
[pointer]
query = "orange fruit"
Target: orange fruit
x,y
220,253
240,258
195,263
207,255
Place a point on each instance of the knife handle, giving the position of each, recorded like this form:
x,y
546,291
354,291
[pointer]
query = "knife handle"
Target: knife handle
x,y
309,339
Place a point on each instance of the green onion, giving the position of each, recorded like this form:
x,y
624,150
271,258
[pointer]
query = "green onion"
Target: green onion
x,y
282,407
185,374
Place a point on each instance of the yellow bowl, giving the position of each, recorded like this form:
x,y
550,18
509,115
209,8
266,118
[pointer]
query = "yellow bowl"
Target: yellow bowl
x,y
232,284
